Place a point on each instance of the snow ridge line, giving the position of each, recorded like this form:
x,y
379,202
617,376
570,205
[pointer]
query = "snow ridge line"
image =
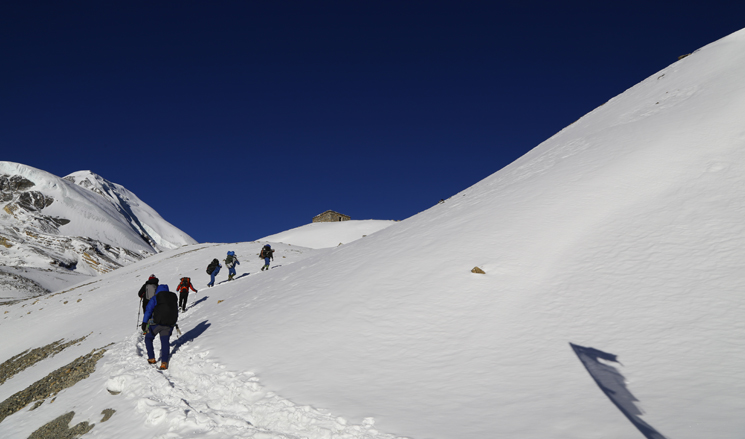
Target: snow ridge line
x,y
197,396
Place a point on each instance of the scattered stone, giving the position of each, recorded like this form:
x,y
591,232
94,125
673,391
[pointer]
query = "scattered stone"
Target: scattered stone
x,y
107,414
60,429
477,270
55,382
220,301
79,300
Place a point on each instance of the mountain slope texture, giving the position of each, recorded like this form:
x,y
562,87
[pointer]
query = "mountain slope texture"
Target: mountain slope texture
x,y
624,233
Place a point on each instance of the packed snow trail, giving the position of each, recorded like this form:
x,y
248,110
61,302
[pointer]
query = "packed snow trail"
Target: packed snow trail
x,y
197,396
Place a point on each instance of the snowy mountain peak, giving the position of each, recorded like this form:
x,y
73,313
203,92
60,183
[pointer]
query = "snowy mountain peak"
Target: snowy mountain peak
x,y
142,218
54,230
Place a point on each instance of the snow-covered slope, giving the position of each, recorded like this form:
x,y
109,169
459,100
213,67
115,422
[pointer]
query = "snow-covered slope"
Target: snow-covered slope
x,y
623,232
59,232
331,234
141,218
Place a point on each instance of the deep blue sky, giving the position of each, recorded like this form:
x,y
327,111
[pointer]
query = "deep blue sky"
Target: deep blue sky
x,y
238,119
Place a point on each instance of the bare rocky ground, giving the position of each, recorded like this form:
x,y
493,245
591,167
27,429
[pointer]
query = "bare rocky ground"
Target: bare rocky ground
x,y
49,386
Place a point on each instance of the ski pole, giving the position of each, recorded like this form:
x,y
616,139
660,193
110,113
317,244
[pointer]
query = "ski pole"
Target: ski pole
x,y
139,307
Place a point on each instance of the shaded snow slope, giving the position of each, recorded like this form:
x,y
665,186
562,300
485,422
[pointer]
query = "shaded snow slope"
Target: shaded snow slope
x,y
623,232
331,234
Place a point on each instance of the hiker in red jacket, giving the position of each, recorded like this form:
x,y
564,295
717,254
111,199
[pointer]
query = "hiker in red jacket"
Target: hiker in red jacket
x,y
183,292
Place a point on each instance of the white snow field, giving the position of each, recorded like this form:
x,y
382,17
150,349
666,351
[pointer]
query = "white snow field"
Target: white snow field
x,y
624,232
331,234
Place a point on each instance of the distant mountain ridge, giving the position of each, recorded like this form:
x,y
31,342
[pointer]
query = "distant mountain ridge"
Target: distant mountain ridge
x,y
54,231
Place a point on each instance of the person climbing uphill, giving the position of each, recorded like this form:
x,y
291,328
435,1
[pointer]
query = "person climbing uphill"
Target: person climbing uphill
x,y
231,261
160,317
266,254
212,269
183,292
148,290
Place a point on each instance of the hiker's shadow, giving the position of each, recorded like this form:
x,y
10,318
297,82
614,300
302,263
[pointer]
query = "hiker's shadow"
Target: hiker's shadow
x,y
198,302
243,275
188,336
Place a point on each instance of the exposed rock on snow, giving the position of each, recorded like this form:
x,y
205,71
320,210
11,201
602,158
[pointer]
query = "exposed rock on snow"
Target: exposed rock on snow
x,y
29,358
55,382
60,428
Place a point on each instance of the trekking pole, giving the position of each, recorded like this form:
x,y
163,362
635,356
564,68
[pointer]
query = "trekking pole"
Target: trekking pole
x,y
139,307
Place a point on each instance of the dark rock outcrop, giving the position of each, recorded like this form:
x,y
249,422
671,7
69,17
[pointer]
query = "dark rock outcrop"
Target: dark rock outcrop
x,y
60,429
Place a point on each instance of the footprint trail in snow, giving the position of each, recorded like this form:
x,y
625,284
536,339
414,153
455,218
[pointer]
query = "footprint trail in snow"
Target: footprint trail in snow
x,y
198,397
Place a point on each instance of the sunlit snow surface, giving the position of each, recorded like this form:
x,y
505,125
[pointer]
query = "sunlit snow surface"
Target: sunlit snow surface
x,y
624,232
329,234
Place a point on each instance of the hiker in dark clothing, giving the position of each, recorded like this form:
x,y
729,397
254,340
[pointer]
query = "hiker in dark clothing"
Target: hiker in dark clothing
x,y
213,272
266,253
161,316
231,261
183,292
148,290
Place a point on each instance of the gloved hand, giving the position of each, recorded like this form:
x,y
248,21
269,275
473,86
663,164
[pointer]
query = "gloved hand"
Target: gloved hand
x,y
144,328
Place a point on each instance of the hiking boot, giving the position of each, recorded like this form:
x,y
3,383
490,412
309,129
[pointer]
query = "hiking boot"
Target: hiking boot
x,y
163,365
151,360
183,310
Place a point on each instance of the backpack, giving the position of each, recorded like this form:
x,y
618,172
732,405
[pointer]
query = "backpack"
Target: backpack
x,y
166,311
212,266
229,261
184,285
150,291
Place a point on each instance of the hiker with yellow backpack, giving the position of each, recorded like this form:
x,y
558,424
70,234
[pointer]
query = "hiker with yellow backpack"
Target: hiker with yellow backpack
x,y
183,292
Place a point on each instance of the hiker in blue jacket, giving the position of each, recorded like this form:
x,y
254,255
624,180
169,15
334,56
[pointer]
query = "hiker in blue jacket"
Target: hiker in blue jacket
x,y
231,261
214,271
266,254
160,317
